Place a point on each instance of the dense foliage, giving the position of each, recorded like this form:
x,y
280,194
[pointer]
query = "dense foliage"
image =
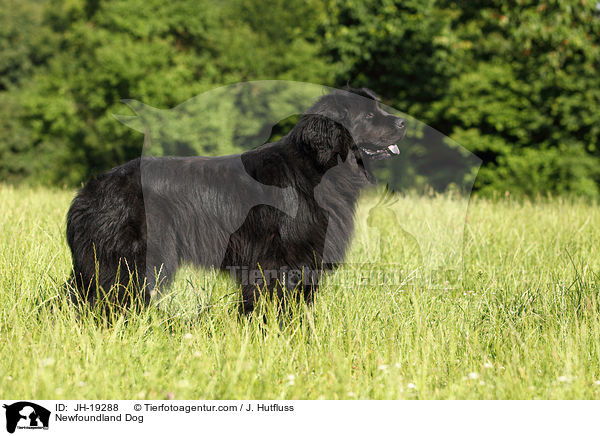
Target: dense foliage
x,y
515,82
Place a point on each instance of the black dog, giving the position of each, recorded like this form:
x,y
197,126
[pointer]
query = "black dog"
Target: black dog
x,y
275,217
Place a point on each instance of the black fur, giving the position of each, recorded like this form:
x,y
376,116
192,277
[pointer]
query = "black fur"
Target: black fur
x,y
286,207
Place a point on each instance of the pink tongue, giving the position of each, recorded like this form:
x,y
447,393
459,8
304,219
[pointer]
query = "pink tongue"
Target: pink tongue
x,y
394,149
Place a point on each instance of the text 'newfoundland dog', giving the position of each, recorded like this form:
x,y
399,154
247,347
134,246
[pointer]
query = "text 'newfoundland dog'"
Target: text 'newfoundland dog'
x,y
274,217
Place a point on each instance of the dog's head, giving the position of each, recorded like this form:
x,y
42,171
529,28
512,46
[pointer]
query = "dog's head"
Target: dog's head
x,y
375,132
350,121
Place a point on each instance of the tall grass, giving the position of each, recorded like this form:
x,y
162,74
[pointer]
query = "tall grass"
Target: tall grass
x,y
522,323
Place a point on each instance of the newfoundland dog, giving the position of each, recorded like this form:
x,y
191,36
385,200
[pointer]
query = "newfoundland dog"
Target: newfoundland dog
x,y
274,217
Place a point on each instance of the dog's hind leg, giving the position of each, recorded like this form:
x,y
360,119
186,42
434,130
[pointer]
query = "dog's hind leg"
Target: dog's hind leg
x,y
108,266
250,295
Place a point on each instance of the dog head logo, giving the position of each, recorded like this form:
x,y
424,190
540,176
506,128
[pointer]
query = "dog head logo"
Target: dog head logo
x,y
26,415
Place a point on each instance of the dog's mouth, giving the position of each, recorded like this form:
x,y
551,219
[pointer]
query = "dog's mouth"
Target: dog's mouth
x,y
371,152
377,153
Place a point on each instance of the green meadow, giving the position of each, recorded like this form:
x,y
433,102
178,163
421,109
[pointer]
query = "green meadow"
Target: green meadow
x,y
519,319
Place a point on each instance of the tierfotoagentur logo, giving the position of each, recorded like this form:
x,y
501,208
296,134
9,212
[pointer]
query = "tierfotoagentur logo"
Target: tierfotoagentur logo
x,y
24,415
262,180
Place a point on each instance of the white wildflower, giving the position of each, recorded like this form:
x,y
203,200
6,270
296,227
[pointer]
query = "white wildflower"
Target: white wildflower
x,y
48,361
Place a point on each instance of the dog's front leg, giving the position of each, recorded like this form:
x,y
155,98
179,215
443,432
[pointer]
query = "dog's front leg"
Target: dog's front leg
x,y
250,295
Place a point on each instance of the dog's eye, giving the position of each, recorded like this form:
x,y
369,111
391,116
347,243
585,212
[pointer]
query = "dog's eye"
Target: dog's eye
x,y
369,115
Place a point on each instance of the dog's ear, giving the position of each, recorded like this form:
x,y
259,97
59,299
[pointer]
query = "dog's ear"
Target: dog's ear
x,y
333,106
370,94
323,138
363,92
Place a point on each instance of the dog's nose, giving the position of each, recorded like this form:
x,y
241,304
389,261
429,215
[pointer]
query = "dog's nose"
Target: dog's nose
x,y
400,123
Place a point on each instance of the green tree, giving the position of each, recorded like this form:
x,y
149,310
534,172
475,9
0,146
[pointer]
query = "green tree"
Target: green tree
x,y
161,53
528,98
25,41
515,82
400,49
